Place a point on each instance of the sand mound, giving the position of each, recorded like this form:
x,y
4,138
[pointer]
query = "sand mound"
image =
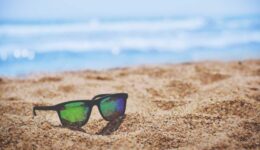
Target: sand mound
x,y
206,105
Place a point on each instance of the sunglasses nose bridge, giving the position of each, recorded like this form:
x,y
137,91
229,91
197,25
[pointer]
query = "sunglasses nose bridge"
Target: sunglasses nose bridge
x,y
95,103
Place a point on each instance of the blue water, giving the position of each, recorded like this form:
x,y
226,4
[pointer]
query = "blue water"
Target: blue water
x,y
52,46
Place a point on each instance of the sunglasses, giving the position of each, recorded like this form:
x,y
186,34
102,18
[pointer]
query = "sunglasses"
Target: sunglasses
x,y
75,114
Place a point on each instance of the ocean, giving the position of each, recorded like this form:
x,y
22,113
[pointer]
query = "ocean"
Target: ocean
x,y
35,46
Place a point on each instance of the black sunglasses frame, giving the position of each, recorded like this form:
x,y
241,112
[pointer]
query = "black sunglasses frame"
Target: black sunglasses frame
x,y
88,103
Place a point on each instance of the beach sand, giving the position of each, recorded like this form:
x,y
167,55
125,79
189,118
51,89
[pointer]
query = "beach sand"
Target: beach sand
x,y
203,105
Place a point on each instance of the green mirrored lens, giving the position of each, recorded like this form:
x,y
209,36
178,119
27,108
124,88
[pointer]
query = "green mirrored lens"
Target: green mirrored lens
x,y
74,112
112,107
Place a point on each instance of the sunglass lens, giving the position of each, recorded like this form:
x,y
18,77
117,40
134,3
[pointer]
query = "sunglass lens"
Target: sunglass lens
x,y
74,114
113,106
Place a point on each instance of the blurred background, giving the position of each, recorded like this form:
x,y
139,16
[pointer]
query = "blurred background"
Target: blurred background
x,y
60,35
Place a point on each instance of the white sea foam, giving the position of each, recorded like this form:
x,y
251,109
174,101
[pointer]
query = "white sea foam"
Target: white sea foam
x,y
96,26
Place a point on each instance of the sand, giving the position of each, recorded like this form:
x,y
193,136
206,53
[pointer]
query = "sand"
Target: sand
x,y
203,105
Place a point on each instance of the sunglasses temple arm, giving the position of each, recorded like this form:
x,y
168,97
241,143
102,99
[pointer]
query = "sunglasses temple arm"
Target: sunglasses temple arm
x,y
42,108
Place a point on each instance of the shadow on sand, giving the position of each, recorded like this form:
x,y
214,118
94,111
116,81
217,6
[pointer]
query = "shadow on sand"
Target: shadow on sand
x,y
110,127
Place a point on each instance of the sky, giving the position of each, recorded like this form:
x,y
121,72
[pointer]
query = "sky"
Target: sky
x,y
81,9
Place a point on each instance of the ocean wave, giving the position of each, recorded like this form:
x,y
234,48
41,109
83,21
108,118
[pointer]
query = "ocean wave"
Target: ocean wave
x,y
170,35
98,26
144,26
115,46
